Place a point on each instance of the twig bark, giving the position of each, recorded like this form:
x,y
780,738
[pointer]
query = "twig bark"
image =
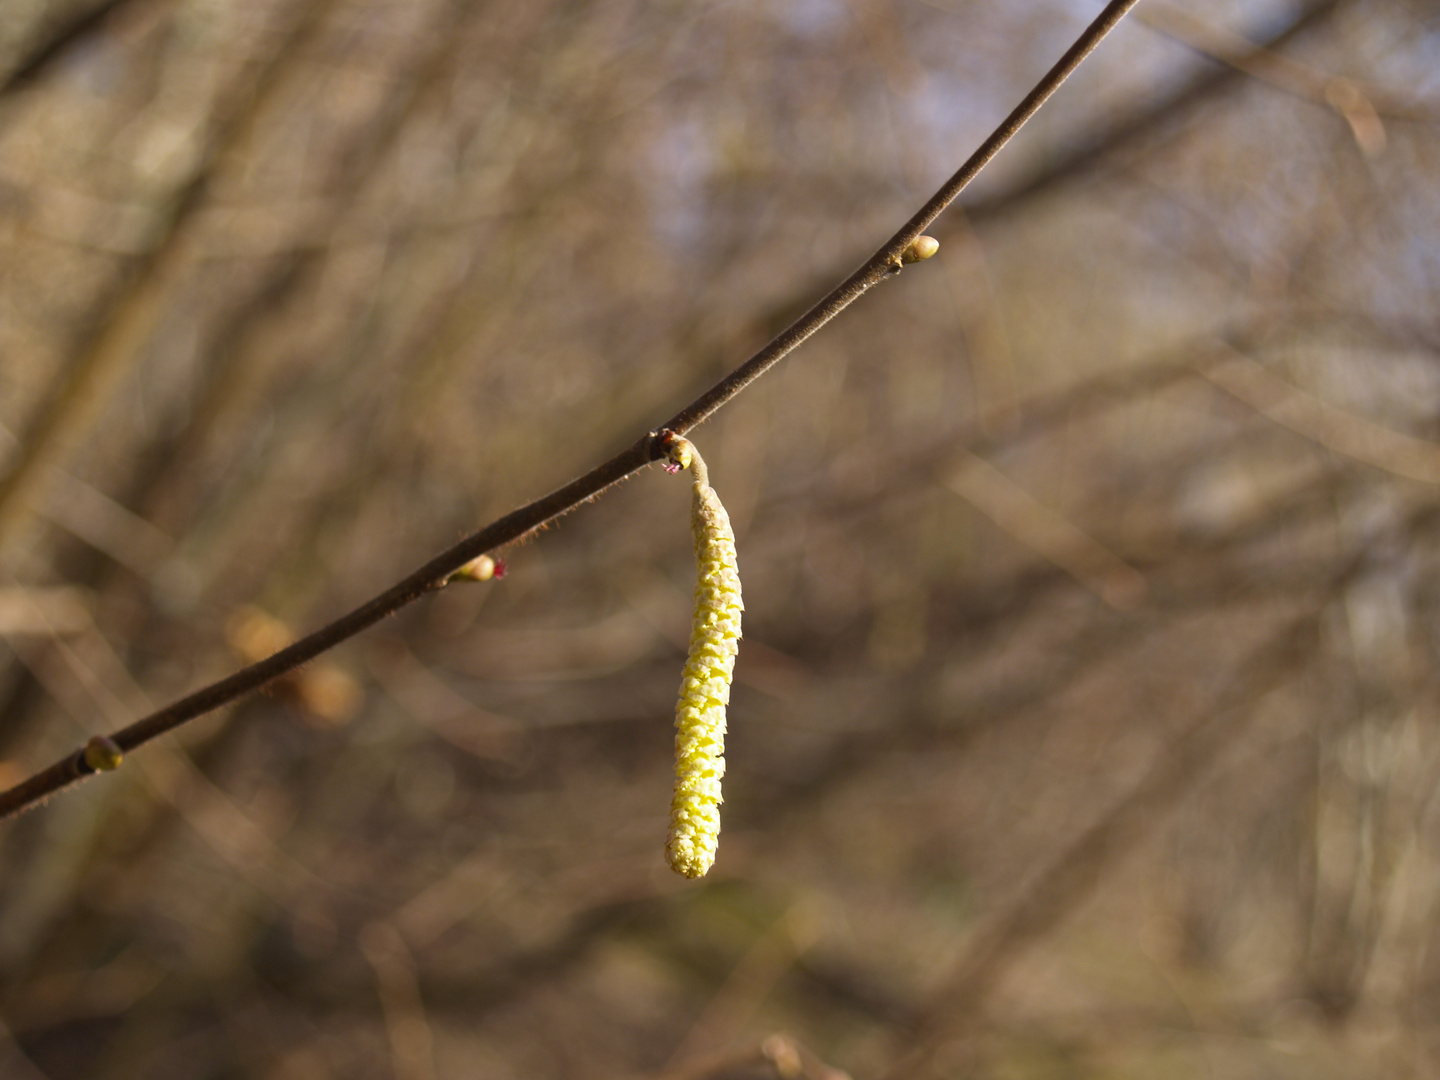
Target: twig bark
x,y
520,523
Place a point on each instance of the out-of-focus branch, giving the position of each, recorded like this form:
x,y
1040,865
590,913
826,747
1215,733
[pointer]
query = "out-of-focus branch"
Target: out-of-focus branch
x,y
1043,530
56,42
1060,887
411,1043
787,1058
1126,131
738,999
1361,106
138,306
524,521
1322,423
15,1061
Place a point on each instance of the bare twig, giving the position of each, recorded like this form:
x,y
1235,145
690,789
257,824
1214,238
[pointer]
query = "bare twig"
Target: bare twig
x,y
520,523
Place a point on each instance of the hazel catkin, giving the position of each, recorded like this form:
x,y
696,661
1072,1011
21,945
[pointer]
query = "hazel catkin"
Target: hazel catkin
x,y
705,685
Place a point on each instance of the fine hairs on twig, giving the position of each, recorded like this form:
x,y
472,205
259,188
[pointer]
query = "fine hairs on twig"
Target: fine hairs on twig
x,y
705,686
904,246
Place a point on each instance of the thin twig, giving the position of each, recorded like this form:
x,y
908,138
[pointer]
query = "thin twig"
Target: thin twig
x,y
520,523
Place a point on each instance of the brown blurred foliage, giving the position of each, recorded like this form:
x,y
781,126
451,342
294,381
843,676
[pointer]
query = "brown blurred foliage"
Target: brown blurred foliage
x,y
1086,721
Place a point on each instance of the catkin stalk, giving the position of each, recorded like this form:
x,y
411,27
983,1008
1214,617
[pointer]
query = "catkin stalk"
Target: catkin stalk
x,y
705,686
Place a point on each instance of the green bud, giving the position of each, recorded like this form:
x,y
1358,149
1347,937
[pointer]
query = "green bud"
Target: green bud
x,y
920,249
102,755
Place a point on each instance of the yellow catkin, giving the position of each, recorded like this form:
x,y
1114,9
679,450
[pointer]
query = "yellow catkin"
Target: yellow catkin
x,y
705,686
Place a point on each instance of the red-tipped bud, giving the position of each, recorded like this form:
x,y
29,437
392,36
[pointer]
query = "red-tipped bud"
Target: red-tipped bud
x,y
480,568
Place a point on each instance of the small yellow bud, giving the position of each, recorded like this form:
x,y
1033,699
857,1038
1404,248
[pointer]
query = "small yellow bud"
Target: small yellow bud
x,y
102,755
480,568
920,249
705,684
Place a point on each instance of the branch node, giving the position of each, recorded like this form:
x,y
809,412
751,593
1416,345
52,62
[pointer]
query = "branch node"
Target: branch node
x,y
918,250
662,446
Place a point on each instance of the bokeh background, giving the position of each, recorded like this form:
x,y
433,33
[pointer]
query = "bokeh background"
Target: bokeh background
x,y
1086,719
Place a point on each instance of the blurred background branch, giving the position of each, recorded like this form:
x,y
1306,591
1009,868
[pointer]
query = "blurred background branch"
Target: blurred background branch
x,y
1120,761
56,36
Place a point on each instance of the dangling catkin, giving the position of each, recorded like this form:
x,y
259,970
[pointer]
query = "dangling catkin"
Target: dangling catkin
x,y
705,686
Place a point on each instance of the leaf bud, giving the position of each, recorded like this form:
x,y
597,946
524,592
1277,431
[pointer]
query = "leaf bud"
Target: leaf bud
x,y
102,755
920,249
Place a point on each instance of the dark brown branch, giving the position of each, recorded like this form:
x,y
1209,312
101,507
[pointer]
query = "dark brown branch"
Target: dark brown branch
x,y
1089,152
519,523
883,262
